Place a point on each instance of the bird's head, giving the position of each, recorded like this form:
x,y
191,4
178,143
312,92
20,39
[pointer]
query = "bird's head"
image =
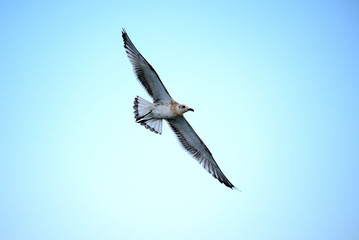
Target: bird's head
x,y
181,108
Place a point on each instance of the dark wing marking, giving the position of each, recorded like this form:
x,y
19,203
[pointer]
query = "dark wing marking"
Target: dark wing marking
x,y
196,147
145,72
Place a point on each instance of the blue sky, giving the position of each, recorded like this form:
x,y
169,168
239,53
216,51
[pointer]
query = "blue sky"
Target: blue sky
x,y
274,85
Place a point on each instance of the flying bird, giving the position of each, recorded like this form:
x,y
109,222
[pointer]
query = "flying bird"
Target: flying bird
x,y
150,115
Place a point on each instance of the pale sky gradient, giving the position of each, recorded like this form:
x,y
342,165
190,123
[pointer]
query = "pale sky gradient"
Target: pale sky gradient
x,y
275,89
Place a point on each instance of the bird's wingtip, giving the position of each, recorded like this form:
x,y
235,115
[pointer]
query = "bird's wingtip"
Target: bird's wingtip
x,y
234,188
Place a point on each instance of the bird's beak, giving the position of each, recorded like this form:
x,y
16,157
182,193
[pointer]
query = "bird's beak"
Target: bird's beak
x,y
191,109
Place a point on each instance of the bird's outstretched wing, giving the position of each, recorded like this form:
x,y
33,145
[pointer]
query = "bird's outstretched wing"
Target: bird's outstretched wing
x,y
145,72
196,147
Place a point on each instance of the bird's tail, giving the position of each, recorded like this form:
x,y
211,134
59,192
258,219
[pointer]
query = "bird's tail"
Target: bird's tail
x,y
143,115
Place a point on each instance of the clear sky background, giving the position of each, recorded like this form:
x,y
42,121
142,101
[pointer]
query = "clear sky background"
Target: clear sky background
x,y
275,89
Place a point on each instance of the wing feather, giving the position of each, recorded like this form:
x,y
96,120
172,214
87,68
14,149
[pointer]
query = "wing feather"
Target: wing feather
x,y
196,147
145,72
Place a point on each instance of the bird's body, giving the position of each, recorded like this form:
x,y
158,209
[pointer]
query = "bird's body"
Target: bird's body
x,y
151,115
166,111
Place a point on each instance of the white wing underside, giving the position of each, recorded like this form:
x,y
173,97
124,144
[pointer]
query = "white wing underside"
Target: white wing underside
x,y
145,73
196,147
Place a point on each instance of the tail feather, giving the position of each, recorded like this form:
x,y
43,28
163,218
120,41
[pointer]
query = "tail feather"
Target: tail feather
x,y
154,125
143,110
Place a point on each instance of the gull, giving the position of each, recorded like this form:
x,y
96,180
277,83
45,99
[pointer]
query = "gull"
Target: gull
x,y
150,115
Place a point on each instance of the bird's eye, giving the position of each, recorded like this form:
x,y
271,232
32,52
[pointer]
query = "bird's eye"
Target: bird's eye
x,y
181,106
